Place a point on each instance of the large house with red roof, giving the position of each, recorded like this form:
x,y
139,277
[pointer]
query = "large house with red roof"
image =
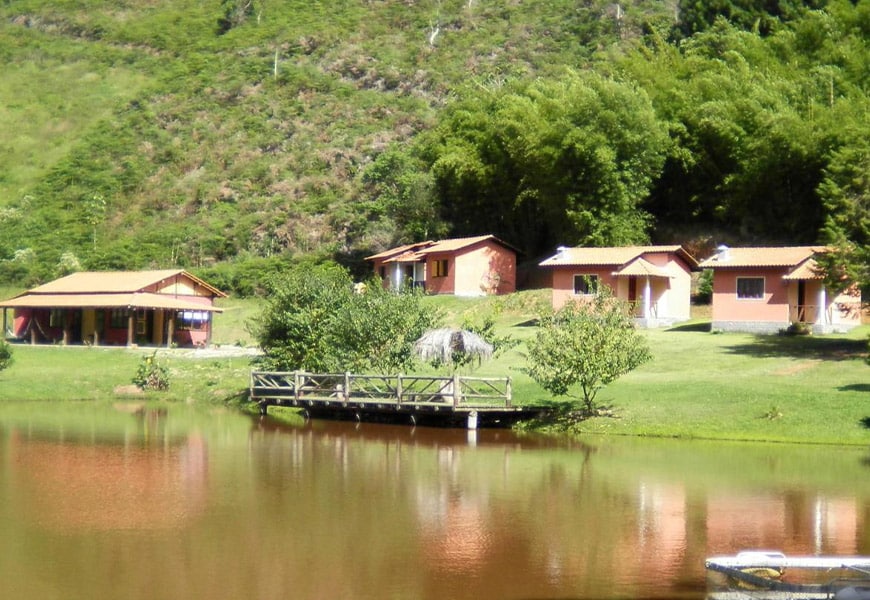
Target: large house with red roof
x,y
765,290
471,266
152,308
655,280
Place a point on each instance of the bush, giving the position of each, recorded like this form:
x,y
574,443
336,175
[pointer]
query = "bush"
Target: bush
x,y
5,354
151,374
315,321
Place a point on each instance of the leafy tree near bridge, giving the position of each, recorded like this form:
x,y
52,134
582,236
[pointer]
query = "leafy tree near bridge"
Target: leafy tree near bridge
x,y
585,346
316,319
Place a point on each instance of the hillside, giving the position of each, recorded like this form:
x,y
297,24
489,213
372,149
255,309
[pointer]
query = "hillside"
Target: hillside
x,y
233,136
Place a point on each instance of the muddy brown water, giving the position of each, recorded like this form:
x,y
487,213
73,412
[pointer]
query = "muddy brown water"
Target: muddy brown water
x,y
130,502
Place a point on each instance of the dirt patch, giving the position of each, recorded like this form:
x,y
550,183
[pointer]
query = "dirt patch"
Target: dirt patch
x,y
797,368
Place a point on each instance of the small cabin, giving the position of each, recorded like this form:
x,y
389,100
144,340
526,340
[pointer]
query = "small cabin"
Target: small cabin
x,y
472,266
768,289
655,280
149,308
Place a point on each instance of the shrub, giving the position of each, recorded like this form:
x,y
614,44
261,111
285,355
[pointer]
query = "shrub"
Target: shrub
x,y
5,354
151,374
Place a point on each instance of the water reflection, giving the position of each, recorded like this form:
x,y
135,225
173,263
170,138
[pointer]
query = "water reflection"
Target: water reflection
x,y
178,504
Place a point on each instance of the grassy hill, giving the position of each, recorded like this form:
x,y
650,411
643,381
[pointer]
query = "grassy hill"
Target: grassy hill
x,y
235,135
146,133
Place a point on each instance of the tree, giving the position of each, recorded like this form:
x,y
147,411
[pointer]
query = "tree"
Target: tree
x,y
569,159
316,320
846,189
399,196
763,16
586,344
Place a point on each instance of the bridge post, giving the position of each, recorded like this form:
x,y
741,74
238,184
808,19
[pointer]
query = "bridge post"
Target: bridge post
x,y
471,423
399,388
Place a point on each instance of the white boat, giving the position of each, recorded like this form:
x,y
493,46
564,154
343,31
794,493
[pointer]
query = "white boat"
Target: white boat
x,y
771,575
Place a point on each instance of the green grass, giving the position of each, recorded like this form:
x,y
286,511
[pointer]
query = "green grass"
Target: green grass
x,y
699,385
711,386
231,325
78,373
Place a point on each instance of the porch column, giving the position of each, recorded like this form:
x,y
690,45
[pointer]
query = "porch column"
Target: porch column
x,y
66,327
170,329
397,276
822,317
647,293
131,326
4,323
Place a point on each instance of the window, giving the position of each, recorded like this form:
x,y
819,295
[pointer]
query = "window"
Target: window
x,y
585,285
119,318
55,318
439,268
192,320
750,288
141,323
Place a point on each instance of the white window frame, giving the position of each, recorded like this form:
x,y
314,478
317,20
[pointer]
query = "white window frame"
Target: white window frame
x,y
750,298
593,284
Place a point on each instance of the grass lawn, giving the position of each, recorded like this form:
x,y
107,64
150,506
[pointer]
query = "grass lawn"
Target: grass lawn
x,y
698,385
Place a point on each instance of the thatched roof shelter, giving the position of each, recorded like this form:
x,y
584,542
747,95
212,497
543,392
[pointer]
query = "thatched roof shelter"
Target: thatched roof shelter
x,y
442,344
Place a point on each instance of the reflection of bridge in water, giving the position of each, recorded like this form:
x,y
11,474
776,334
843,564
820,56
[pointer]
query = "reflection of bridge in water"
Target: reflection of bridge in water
x,y
454,401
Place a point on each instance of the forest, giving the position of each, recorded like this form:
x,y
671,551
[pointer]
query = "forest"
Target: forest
x,y
237,137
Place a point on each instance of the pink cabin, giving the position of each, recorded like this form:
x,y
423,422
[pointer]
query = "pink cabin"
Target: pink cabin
x,y
655,280
151,308
473,266
765,290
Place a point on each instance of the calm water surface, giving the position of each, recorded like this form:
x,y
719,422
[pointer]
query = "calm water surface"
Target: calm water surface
x,y
114,502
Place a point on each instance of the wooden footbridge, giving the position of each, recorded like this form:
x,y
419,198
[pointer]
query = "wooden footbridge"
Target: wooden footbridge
x,y
455,401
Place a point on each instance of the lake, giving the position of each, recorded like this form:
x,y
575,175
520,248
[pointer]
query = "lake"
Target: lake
x,y
125,501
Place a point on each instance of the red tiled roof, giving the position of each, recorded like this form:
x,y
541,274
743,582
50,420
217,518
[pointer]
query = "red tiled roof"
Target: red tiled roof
x,y
452,245
417,252
612,256
807,270
113,282
784,256
112,289
392,253
641,268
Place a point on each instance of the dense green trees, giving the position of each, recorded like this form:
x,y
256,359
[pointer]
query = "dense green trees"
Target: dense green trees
x,y
316,320
567,160
763,16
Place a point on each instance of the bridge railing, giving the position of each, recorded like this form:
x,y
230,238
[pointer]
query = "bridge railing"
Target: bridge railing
x,y
301,386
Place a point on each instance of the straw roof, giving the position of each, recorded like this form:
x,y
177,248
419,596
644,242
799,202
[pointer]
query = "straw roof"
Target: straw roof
x,y
442,344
